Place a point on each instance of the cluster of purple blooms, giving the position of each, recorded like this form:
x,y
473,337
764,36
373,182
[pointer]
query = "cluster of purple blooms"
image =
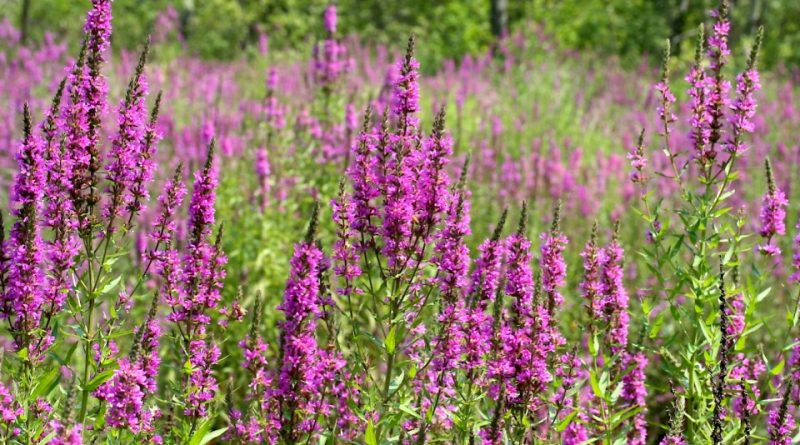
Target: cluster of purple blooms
x,y
486,334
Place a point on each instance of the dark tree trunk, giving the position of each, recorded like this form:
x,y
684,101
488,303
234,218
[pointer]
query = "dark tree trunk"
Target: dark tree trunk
x,y
498,16
23,21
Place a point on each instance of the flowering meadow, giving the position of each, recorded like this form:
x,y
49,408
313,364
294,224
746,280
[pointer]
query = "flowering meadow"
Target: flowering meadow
x,y
528,246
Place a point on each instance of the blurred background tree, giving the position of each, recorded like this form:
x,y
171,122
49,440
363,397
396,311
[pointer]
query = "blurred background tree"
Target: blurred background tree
x,y
226,29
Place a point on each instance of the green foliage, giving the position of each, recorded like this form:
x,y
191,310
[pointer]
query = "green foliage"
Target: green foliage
x,y
222,29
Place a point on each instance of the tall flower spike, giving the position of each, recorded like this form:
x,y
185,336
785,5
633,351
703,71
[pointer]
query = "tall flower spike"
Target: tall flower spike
x,y
719,381
24,293
433,185
345,251
667,98
163,257
135,380
484,287
699,95
638,161
203,261
552,265
634,393
451,251
591,285
615,297
781,424
144,164
719,87
406,94
58,213
364,177
75,157
330,19
486,276
744,106
772,215
519,277
404,165
302,373
95,91
127,145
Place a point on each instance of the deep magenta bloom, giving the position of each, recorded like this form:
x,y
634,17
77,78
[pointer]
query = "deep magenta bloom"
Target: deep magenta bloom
x,y
526,336
303,373
95,86
345,253
135,380
772,216
519,277
203,263
405,101
451,251
701,118
127,145
591,286
553,267
486,275
672,439
615,297
744,379
10,409
202,385
432,194
717,86
165,259
364,178
634,393
58,215
576,432
25,292
780,425
665,106
638,163
144,164
744,109
405,161
329,62
98,28
330,19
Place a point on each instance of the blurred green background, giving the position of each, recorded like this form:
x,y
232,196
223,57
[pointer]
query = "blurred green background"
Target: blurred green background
x,y
227,29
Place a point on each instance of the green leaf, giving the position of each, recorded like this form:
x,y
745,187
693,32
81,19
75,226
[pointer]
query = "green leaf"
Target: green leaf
x,y
99,379
564,423
200,434
390,342
369,435
599,391
778,368
213,435
46,383
111,285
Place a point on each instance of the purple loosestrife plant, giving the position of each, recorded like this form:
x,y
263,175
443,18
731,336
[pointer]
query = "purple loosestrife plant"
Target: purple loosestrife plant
x,y
24,295
773,214
551,263
687,280
126,147
744,106
302,379
401,178
698,92
615,297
